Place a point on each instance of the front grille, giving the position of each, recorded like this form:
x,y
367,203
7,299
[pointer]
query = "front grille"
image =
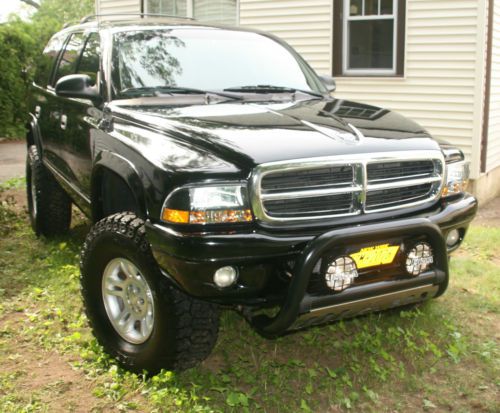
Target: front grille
x,y
321,205
343,186
397,196
329,177
395,171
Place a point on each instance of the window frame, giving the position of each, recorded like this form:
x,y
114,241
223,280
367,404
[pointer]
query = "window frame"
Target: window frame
x,y
55,70
88,35
341,19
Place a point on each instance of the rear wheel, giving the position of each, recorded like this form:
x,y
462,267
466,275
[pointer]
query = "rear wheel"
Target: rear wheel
x,y
135,314
49,206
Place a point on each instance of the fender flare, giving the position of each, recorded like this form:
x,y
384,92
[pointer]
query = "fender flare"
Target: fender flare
x,y
122,167
33,134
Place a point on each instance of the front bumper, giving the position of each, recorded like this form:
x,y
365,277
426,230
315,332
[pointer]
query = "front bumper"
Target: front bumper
x,y
190,260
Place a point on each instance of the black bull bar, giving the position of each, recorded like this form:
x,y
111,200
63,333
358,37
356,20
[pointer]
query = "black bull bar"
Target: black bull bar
x,y
299,309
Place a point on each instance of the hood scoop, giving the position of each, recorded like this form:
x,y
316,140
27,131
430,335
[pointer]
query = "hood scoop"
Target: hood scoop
x,y
342,136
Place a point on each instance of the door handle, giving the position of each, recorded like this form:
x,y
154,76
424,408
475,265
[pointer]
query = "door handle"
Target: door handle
x,y
64,122
38,111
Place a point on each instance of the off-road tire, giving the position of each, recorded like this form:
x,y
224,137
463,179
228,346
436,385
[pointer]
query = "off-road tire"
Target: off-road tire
x,y
48,205
184,330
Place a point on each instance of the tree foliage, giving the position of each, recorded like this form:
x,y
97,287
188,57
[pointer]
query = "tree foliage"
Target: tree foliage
x,y
20,45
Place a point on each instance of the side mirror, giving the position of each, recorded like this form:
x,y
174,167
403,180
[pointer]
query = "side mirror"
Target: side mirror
x,y
329,82
78,86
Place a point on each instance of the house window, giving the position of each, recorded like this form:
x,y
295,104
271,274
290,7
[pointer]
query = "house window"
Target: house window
x,y
170,7
369,37
215,11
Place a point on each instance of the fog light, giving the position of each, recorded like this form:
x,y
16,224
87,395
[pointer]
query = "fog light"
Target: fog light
x,y
225,276
419,258
341,273
453,238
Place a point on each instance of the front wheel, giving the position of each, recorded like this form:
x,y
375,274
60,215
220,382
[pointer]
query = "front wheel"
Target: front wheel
x,y
135,314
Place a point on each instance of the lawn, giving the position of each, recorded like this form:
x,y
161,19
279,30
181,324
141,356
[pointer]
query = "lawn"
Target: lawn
x,y
441,356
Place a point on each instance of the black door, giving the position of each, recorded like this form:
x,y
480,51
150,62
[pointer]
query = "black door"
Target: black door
x,y
80,119
55,143
44,100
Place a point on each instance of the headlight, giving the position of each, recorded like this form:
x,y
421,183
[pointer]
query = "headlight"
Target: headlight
x,y
457,178
208,205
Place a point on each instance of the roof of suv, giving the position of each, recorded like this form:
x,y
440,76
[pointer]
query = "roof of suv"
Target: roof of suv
x,y
148,21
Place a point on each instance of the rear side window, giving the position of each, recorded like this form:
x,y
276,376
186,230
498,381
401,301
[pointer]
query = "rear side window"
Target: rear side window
x,y
89,62
69,58
46,63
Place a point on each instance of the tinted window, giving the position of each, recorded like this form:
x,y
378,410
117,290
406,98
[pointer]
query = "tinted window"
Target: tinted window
x,y
69,58
89,62
204,59
46,63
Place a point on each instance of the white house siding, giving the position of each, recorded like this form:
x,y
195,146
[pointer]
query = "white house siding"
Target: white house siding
x,y
118,6
493,159
442,87
305,24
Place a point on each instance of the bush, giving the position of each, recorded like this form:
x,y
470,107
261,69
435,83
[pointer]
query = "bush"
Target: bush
x,y
16,49
20,45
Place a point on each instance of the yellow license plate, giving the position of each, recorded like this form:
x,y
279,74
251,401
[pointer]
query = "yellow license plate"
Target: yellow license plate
x,y
373,256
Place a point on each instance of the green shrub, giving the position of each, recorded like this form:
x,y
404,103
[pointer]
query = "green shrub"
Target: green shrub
x,y
16,49
20,44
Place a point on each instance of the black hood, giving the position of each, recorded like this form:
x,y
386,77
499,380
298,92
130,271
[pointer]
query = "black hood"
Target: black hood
x,y
246,133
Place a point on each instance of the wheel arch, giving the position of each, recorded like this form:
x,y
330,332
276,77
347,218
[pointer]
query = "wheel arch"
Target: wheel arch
x,y
122,185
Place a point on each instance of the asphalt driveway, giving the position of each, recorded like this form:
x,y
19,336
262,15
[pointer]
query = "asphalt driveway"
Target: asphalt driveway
x,y
12,160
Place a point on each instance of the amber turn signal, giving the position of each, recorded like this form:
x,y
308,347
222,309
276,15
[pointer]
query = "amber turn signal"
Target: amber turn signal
x,y
175,216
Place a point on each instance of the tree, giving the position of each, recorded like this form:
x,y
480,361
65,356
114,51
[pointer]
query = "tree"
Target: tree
x,y
20,45
31,3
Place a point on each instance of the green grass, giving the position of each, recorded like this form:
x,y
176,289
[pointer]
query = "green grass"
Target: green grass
x,y
443,355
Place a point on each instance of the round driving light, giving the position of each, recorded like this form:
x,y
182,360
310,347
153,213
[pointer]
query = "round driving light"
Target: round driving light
x,y
419,258
225,276
453,238
341,273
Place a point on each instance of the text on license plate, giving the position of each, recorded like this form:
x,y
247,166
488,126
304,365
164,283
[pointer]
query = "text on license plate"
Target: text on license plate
x,y
373,256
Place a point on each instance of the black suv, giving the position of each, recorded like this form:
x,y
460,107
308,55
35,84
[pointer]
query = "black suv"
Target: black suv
x,y
219,171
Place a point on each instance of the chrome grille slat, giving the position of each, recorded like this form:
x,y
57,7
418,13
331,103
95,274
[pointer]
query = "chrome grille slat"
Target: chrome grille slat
x,y
312,193
402,184
299,190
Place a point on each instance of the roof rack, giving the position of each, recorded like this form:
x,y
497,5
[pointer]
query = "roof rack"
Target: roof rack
x,y
96,17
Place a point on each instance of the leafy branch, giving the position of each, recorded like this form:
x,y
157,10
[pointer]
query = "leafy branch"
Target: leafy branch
x,y
31,3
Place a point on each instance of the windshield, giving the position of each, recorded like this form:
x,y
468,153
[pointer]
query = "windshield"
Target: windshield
x,y
204,59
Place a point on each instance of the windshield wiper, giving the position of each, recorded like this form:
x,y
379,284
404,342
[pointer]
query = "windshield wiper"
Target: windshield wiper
x,y
173,90
271,89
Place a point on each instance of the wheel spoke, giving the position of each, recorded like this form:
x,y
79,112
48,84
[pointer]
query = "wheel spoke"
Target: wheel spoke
x,y
144,328
128,269
129,325
112,291
124,317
